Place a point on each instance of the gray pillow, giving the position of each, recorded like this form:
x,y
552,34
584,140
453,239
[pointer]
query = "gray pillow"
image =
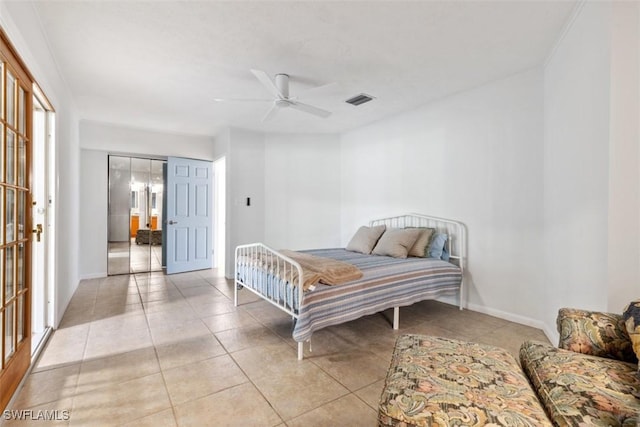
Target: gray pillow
x,y
365,239
396,242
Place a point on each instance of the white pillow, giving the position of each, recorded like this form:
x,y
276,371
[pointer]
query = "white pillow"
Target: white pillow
x,y
396,242
365,239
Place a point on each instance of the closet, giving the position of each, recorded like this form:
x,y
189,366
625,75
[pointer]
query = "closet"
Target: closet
x,y
135,217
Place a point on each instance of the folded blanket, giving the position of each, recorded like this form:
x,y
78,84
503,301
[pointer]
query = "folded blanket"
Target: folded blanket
x,y
328,271
315,269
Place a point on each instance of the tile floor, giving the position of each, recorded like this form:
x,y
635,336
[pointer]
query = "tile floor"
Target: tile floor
x,y
129,257
154,350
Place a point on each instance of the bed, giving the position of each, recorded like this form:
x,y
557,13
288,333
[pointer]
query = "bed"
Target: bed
x,y
386,282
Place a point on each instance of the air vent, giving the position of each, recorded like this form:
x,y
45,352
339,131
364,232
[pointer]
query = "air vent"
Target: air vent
x,y
359,99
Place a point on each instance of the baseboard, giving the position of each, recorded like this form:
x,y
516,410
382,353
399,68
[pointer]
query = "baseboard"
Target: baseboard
x,y
449,299
93,276
516,318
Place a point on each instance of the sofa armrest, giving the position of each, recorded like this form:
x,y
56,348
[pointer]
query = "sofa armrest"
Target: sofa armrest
x,y
595,333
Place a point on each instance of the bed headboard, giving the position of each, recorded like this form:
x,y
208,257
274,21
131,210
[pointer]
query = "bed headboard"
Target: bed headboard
x,y
457,232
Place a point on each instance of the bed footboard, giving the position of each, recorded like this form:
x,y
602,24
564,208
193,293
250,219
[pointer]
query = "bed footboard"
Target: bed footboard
x,y
270,275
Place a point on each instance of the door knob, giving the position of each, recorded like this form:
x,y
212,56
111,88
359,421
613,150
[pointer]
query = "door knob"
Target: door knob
x,y
171,222
37,231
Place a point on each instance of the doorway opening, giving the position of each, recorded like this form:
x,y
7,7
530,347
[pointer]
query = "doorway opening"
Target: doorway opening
x,y
43,214
219,215
136,215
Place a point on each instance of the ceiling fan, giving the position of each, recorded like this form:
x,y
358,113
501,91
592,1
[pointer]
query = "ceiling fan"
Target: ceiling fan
x,y
279,89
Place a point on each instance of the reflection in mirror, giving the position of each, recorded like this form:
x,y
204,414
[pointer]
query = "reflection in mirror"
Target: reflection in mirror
x,y
118,233
136,200
156,189
140,220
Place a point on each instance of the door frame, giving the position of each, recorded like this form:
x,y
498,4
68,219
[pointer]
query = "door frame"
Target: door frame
x,y
14,368
219,214
48,178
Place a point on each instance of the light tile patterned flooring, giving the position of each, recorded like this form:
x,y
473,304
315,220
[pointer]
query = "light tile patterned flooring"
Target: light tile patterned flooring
x,y
129,257
154,350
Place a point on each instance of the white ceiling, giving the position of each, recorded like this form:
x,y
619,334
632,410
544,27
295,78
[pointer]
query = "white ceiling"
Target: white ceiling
x,y
160,64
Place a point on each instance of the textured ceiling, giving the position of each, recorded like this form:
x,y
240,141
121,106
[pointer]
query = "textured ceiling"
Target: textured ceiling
x,y
160,64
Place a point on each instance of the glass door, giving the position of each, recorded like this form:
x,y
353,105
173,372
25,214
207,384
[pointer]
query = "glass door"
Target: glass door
x,y
155,213
15,221
118,234
141,226
135,215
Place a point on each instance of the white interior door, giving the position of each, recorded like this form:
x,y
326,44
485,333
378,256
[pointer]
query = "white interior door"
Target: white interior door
x,y
189,215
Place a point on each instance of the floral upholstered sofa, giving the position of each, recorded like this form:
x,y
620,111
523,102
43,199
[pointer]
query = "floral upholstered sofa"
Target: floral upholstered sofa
x,y
590,380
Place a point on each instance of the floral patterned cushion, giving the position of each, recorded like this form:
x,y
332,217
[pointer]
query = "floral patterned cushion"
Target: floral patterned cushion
x,y
631,318
595,333
444,382
580,390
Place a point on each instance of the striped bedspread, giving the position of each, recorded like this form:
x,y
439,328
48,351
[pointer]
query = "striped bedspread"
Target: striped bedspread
x,y
386,282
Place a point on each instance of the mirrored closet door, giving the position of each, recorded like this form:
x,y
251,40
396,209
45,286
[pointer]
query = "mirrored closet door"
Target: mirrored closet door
x,y
136,194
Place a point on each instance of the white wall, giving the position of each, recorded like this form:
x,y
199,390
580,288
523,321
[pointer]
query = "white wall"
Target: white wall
x,y
245,178
98,141
21,23
93,214
576,164
222,148
293,182
302,191
475,157
221,143
624,160
119,139
591,173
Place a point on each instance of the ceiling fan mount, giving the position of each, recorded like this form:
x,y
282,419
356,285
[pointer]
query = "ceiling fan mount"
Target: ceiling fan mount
x,y
282,84
279,89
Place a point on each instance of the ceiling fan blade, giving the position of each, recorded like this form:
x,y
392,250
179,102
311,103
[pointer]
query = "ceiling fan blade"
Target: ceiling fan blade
x,y
271,113
267,83
310,109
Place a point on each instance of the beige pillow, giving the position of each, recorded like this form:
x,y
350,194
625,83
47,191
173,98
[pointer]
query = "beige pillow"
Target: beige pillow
x,y
419,248
365,239
396,242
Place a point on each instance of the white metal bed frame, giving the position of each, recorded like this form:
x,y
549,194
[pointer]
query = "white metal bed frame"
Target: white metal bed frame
x,y
290,271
